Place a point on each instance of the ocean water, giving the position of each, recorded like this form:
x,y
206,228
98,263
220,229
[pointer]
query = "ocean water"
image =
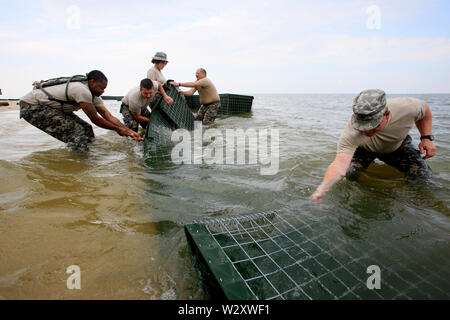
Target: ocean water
x,y
120,218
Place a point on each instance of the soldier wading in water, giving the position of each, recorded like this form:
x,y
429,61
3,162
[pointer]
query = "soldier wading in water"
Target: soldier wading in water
x,y
51,105
379,129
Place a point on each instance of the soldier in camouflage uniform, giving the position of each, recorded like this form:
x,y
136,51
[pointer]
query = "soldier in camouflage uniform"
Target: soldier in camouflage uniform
x,y
135,103
208,113
51,110
64,126
379,129
130,121
209,98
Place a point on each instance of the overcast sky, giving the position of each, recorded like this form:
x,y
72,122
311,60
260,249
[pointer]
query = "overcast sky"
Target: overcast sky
x,y
247,47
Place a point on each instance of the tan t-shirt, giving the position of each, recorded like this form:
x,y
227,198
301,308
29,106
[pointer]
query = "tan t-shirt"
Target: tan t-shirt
x,y
156,75
405,112
136,102
207,91
78,91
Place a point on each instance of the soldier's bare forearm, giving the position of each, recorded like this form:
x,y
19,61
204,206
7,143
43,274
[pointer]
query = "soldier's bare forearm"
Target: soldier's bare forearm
x,y
335,172
426,123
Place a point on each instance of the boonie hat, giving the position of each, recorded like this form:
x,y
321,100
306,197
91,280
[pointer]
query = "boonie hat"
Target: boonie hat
x,y
160,56
369,108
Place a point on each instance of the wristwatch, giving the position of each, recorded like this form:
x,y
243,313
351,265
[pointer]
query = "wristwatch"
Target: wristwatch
x,y
430,137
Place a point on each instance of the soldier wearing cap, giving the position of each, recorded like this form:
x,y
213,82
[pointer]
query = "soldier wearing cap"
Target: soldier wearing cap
x,y
379,129
159,61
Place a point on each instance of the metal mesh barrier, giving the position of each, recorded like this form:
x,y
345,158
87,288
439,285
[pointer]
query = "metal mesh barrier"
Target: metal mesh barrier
x,y
164,119
179,111
283,255
229,103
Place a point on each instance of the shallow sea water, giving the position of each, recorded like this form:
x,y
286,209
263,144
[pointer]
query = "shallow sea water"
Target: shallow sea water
x,y
120,218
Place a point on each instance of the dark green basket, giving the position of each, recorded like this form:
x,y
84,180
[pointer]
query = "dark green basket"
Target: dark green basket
x,y
157,138
229,103
179,111
235,104
193,101
212,265
164,119
284,255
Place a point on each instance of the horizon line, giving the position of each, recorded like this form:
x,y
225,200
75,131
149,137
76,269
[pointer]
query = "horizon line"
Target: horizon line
x,y
290,93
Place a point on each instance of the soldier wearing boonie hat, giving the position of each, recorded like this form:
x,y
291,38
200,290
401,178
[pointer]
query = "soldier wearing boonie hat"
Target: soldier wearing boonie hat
x,y
379,129
155,73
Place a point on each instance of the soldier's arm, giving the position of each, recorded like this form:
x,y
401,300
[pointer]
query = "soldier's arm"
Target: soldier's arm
x,y
139,117
189,92
195,84
103,122
161,90
108,116
335,172
425,128
94,116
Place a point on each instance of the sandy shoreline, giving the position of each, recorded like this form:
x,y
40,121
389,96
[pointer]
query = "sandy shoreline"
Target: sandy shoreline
x,y
12,105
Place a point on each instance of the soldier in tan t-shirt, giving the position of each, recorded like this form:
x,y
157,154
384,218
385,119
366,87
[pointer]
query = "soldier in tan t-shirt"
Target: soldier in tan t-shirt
x,y
51,110
379,129
135,103
159,61
209,98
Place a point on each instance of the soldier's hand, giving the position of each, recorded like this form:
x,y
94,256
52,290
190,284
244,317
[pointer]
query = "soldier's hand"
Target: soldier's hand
x,y
426,146
316,197
168,99
125,132
136,136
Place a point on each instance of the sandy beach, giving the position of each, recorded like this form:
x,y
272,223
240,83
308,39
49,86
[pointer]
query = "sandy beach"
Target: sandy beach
x,y
12,105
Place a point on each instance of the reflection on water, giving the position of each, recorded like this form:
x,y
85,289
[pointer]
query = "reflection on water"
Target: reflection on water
x,y
120,217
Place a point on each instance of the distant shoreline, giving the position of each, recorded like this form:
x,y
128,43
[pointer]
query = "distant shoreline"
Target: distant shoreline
x,y
13,104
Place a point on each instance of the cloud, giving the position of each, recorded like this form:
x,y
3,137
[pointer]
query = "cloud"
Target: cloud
x,y
233,40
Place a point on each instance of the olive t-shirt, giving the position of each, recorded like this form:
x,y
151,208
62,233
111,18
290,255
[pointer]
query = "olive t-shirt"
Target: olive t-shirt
x,y
207,91
405,112
78,92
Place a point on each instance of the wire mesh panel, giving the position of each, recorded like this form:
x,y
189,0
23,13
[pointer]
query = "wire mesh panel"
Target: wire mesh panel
x,y
157,138
179,111
234,104
193,101
164,119
281,255
229,103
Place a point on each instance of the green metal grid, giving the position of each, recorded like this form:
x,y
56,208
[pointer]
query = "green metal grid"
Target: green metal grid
x,y
229,103
282,255
234,104
193,102
164,119
159,129
179,111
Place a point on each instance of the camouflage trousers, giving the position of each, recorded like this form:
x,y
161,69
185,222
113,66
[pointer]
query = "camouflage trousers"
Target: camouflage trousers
x,y
406,159
64,126
130,121
208,113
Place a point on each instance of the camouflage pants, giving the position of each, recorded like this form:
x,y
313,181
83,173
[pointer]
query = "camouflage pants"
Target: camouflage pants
x,y
64,126
406,159
207,113
130,121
